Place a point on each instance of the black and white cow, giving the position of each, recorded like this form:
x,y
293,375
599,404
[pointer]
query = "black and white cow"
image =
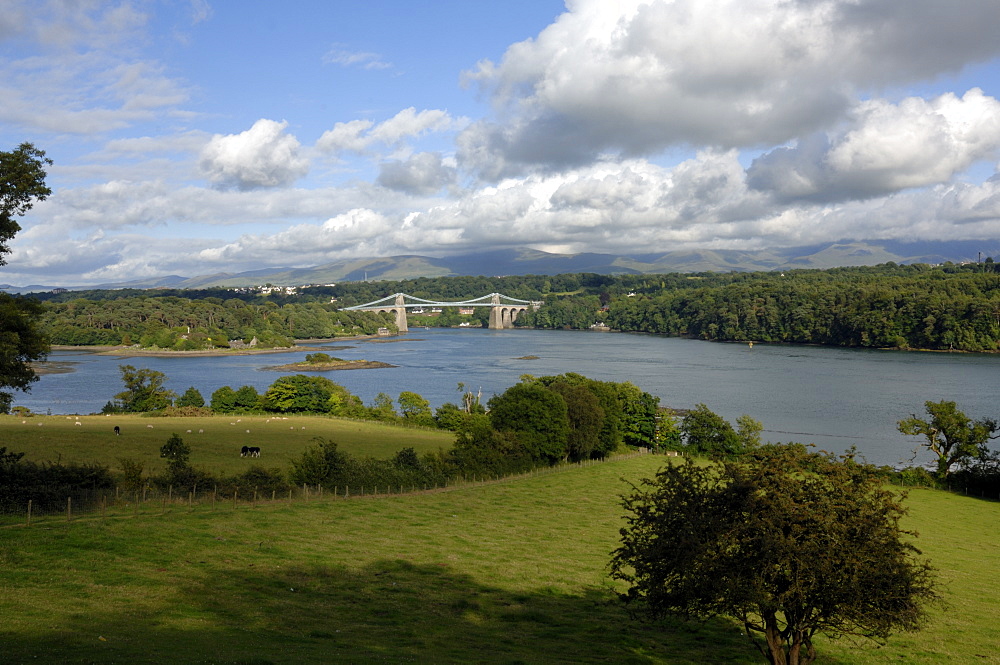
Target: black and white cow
x,y
118,430
254,451
244,451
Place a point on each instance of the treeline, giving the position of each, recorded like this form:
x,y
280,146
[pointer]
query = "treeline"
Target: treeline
x,y
542,420
536,423
887,306
171,322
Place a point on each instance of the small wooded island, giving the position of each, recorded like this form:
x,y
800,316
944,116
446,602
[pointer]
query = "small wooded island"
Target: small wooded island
x,y
322,362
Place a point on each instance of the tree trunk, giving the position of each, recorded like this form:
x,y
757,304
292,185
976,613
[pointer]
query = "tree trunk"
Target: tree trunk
x,y
775,643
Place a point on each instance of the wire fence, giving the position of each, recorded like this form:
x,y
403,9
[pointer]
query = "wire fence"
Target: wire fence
x,y
149,500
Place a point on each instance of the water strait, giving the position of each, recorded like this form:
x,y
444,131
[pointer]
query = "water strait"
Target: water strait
x,y
832,397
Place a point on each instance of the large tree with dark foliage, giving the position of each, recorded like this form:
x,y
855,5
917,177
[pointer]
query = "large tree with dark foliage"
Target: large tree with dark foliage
x,y
22,182
21,342
786,542
537,416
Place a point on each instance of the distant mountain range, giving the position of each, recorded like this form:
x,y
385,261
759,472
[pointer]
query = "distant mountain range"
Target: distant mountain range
x,y
534,262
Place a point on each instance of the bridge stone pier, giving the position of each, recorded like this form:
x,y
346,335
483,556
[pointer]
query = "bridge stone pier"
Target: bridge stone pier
x,y
399,310
503,316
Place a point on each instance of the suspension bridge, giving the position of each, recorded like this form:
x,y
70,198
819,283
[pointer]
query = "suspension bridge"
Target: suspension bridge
x,y
504,310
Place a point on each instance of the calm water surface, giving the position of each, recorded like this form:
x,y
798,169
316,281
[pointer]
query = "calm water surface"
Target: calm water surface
x,y
835,398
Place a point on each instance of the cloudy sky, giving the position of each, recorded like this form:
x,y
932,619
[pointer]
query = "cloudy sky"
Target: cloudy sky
x,y
198,136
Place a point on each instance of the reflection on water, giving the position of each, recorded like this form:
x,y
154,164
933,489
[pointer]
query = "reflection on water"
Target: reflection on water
x,y
832,397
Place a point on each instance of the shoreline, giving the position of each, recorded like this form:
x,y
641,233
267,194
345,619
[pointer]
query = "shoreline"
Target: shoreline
x,y
136,352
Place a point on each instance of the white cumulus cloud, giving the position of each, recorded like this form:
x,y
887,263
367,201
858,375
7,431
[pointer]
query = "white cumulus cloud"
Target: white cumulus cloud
x,y
262,156
636,76
888,147
360,135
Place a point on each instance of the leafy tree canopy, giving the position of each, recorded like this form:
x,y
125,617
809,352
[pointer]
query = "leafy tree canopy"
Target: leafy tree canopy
x,y
21,342
707,433
175,450
144,390
415,408
952,436
310,394
786,542
22,182
538,416
191,397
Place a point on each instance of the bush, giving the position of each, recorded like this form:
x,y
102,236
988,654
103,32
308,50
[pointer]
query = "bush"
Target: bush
x,y
132,480
48,485
263,481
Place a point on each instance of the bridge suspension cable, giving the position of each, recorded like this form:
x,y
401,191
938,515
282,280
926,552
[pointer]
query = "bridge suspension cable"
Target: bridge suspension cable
x,y
504,309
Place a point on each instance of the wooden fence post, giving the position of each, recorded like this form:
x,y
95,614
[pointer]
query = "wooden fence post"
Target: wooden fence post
x,y
69,508
29,512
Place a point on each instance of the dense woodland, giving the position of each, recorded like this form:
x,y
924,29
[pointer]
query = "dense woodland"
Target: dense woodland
x,y
948,307
173,322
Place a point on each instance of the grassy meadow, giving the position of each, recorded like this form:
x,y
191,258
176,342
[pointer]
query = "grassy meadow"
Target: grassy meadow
x,y
503,572
215,441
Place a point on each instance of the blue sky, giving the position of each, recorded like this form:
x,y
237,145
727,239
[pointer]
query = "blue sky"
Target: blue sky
x,y
201,136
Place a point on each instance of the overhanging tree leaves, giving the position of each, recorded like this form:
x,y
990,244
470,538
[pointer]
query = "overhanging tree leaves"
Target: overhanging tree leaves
x,y
951,435
21,342
786,542
22,182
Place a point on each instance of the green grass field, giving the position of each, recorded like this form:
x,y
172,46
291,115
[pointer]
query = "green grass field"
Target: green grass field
x,y
215,441
505,572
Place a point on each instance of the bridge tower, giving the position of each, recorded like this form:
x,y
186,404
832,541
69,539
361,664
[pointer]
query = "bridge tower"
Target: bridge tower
x,y
496,316
400,311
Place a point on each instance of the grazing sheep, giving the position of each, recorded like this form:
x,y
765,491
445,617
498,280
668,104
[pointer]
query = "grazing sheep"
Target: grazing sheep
x,y
77,423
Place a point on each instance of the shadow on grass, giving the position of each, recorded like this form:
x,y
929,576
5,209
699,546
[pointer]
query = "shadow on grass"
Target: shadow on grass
x,y
390,611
